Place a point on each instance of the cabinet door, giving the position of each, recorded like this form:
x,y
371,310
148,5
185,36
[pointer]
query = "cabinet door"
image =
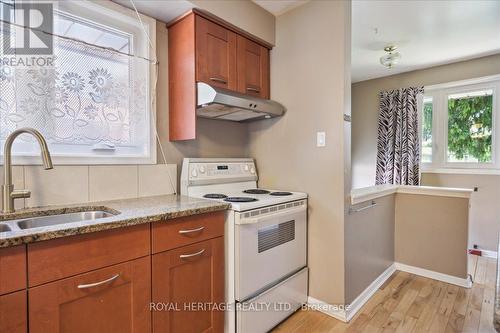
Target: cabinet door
x,y
111,299
13,313
183,278
253,68
215,54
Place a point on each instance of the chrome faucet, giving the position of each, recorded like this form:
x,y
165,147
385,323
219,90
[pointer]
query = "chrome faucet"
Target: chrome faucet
x,y
9,194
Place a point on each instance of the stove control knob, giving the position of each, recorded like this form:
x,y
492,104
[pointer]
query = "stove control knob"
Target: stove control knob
x,y
202,169
246,168
194,173
252,170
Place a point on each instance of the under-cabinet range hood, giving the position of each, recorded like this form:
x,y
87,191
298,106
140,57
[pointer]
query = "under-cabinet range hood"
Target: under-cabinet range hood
x,y
218,103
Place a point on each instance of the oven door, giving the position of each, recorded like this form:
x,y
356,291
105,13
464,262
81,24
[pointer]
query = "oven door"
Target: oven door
x,y
268,248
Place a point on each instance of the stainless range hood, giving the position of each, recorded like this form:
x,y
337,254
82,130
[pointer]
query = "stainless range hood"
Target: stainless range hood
x,y
218,103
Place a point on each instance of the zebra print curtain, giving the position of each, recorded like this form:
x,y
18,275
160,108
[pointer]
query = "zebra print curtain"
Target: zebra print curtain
x,y
398,147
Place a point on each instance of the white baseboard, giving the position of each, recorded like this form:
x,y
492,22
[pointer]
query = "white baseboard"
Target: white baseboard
x,y
461,282
358,303
335,311
345,314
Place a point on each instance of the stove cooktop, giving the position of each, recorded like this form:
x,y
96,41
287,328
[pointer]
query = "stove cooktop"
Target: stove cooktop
x,y
215,196
280,193
240,199
256,191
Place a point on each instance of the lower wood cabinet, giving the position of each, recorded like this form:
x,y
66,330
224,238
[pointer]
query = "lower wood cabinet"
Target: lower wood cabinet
x,y
13,313
188,285
105,281
111,299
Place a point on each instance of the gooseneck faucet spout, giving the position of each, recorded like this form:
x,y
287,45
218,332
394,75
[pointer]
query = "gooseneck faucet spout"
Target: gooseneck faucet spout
x,y
9,194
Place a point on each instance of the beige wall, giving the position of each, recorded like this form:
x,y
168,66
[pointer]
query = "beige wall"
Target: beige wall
x,y
431,233
365,107
307,76
369,245
484,207
244,14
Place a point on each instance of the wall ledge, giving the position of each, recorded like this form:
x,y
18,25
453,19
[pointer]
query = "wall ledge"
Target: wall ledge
x,y
373,192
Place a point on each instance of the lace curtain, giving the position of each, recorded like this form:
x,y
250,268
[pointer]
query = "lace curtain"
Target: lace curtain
x,y
91,95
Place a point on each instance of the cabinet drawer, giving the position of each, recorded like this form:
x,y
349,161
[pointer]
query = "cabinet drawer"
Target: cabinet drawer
x,y
59,258
186,230
186,276
13,313
111,299
12,269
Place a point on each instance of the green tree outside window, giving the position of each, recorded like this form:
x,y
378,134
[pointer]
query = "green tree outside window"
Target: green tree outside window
x,y
469,128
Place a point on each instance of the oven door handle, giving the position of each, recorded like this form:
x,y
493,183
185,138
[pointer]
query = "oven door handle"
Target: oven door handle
x,y
289,211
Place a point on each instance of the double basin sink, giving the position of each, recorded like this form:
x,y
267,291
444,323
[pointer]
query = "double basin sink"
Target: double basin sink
x,y
50,220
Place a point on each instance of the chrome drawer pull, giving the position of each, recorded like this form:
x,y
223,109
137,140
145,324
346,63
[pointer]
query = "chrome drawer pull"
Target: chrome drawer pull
x,y
216,79
185,256
90,285
191,230
253,89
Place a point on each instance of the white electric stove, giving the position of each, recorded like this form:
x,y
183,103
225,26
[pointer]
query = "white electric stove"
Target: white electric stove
x,y
265,241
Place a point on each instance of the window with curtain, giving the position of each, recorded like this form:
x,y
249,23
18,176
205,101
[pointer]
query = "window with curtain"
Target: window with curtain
x,y
92,101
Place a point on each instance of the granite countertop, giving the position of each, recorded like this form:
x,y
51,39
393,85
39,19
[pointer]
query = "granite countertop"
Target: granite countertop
x,y
130,212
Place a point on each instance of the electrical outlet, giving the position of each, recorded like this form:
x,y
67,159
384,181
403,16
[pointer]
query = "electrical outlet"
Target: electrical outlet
x,y
320,139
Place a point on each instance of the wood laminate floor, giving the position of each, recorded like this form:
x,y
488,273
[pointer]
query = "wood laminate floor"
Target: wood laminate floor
x,y
408,303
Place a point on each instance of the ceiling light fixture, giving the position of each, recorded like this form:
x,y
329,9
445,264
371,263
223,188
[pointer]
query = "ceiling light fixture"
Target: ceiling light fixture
x,y
391,58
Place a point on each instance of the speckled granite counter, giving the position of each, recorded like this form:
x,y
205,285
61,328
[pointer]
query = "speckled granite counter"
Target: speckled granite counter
x,y
131,212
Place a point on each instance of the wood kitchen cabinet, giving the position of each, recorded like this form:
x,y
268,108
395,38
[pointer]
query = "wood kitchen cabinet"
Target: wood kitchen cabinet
x,y
12,269
186,277
215,54
13,313
111,299
103,281
253,68
205,48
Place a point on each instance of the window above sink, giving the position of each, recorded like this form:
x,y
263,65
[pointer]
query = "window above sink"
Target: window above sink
x,y
92,96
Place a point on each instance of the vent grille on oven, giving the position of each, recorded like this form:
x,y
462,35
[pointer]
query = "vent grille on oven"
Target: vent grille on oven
x,y
275,235
273,209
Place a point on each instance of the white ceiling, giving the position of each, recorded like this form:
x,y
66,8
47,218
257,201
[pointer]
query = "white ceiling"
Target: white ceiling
x,y
163,10
427,33
278,7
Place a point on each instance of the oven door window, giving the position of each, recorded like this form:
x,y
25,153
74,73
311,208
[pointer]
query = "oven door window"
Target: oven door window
x,y
274,235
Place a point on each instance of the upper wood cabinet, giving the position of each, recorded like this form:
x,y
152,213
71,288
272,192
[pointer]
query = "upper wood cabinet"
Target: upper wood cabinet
x,y
215,54
204,48
253,68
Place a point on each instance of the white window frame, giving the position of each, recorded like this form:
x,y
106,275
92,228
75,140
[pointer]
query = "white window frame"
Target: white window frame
x,y
121,19
439,94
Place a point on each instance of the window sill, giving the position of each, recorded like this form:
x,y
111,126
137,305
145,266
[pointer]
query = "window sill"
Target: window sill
x,y
462,171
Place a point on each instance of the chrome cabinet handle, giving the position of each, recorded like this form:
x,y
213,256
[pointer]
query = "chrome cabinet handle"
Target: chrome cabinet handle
x,y
253,89
191,230
90,285
185,256
216,79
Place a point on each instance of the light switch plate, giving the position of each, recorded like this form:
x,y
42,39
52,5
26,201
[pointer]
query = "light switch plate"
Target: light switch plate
x,y
320,139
